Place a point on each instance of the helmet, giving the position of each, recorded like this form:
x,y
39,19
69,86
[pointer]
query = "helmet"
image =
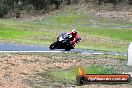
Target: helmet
x,y
74,31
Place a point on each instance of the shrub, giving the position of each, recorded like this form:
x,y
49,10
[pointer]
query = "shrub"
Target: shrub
x,y
3,10
28,7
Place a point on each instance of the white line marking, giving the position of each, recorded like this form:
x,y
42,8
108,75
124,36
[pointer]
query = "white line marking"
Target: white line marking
x,y
117,54
30,51
93,53
86,53
98,53
51,52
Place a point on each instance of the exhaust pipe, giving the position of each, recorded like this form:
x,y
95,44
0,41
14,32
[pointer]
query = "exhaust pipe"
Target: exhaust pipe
x,y
129,62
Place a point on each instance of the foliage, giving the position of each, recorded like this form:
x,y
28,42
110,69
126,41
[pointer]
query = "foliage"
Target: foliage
x,y
28,8
3,10
56,2
6,5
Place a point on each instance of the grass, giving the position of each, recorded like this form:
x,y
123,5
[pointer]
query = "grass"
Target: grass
x,y
64,76
68,77
120,34
97,69
96,33
8,33
20,32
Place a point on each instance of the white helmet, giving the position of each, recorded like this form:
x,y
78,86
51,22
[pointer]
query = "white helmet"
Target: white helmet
x,y
74,31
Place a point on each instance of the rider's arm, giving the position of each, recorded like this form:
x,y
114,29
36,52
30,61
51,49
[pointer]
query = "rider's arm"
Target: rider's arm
x,y
75,39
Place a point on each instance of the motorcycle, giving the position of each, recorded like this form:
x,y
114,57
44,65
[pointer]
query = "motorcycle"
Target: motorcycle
x,y
63,42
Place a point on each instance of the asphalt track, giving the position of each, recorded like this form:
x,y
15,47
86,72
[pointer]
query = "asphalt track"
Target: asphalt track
x,y
4,48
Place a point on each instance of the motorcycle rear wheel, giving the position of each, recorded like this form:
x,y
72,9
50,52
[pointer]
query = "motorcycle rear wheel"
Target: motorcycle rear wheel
x,y
68,47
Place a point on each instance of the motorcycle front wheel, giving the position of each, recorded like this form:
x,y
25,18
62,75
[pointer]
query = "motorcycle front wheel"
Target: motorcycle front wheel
x,y
53,46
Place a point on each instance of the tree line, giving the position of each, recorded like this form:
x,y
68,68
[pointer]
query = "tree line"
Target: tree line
x,y
16,6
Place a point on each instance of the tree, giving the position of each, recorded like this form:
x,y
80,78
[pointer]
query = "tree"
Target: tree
x,y
76,1
130,1
56,3
114,2
68,2
100,1
3,8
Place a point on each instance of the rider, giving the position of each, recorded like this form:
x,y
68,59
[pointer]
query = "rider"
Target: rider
x,y
75,37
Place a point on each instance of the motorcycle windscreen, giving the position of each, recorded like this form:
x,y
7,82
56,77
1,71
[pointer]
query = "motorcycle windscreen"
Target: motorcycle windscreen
x,y
129,62
61,38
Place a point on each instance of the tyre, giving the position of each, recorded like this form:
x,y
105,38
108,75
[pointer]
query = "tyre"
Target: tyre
x,y
53,46
68,47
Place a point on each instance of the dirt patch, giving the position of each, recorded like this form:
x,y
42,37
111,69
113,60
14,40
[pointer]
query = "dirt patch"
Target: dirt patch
x,y
14,68
116,15
104,86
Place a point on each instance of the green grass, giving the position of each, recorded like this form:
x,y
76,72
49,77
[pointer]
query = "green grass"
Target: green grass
x,y
97,69
120,34
69,76
21,32
65,76
45,30
8,33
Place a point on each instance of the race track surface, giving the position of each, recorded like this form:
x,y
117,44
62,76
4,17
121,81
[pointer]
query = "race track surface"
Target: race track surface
x,y
34,48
